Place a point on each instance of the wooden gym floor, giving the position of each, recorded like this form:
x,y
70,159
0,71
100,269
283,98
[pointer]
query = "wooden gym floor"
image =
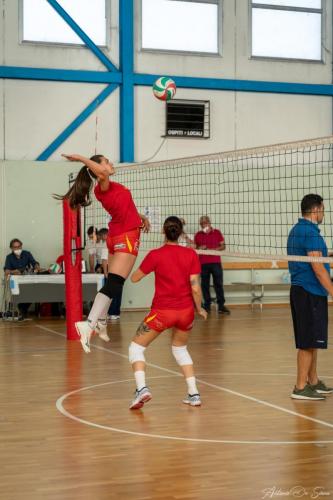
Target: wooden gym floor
x,y
66,431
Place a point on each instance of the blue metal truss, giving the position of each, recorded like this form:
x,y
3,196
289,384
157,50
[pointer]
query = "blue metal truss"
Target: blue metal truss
x,y
126,79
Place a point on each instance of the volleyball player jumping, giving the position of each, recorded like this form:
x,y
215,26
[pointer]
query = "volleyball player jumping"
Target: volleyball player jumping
x,y
177,291
123,237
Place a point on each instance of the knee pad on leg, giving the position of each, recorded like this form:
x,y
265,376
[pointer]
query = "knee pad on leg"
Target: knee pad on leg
x,y
113,286
136,353
181,355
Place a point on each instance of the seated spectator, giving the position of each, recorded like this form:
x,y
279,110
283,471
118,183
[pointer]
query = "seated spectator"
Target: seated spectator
x,y
20,262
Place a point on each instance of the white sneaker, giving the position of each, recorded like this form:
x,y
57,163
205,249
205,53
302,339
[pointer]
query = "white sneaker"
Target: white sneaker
x,y
192,400
85,332
141,397
102,330
113,317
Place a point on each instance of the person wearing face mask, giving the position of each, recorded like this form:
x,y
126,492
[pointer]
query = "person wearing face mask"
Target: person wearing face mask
x,y
19,260
310,286
211,239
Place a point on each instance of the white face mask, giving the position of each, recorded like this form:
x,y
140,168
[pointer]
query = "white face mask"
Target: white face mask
x,y
206,229
18,252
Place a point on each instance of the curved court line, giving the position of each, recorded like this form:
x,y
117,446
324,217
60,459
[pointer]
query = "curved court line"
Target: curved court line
x,y
61,409
214,386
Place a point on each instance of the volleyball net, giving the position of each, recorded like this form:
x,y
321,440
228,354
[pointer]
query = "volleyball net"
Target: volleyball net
x,y
252,195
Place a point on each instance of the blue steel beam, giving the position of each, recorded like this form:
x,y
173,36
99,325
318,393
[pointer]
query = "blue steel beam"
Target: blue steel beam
x,y
126,42
239,85
84,37
81,76
76,123
60,75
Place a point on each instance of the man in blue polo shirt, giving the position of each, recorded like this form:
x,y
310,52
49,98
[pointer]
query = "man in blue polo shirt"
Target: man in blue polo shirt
x,y
19,261
310,286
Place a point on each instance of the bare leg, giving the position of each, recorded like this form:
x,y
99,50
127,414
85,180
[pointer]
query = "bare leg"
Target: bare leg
x,y
313,376
143,337
304,362
118,263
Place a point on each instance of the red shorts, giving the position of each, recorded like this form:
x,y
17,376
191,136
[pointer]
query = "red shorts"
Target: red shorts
x,y
162,319
128,242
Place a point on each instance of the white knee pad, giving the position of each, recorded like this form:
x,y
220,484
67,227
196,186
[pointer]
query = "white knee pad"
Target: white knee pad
x,y
136,353
181,355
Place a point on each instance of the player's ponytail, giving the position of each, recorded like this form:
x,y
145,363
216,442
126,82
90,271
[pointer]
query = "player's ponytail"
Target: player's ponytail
x,y
173,228
79,194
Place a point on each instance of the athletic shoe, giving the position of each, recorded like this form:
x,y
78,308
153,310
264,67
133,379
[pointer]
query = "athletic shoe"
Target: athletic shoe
x,y
102,330
224,310
85,332
192,400
113,317
322,388
307,393
141,397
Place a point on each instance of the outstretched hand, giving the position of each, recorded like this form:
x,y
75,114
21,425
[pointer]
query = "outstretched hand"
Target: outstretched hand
x,y
72,157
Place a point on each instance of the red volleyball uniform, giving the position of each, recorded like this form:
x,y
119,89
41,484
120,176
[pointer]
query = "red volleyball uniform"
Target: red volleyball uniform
x,y
124,227
118,202
173,302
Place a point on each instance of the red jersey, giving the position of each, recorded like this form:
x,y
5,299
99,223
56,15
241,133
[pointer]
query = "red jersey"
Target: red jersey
x,y
172,265
210,240
118,202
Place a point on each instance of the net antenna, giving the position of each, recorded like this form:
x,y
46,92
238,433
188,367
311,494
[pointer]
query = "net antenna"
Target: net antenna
x,y
252,195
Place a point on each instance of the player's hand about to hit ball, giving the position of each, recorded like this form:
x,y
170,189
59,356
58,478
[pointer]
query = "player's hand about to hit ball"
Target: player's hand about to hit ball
x,y
72,157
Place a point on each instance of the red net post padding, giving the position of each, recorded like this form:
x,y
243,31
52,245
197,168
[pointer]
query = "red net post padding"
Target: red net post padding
x,y
73,272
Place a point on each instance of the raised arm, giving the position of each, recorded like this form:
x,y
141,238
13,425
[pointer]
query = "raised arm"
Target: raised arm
x,y
101,170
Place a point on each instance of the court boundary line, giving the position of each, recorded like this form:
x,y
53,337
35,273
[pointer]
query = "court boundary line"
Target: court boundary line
x,y
214,386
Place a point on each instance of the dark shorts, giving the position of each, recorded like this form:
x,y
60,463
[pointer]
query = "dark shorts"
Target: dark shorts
x,y
310,318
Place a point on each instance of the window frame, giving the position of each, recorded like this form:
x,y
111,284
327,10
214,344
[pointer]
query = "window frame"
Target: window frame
x,y
66,44
219,52
322,11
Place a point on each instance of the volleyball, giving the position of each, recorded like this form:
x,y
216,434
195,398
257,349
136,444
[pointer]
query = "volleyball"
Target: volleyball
x,y
55,268
164,88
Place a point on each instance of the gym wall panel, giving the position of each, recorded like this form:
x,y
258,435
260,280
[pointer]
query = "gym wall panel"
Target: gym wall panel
x,y
262,120
36,112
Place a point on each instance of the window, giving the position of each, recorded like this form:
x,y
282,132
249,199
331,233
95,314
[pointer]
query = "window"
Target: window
x,y
41,23
290,29
181,25
185,118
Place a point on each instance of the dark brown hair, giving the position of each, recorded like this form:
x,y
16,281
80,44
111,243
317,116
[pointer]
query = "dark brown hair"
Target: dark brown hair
x,y
78,194
173,228
309,202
